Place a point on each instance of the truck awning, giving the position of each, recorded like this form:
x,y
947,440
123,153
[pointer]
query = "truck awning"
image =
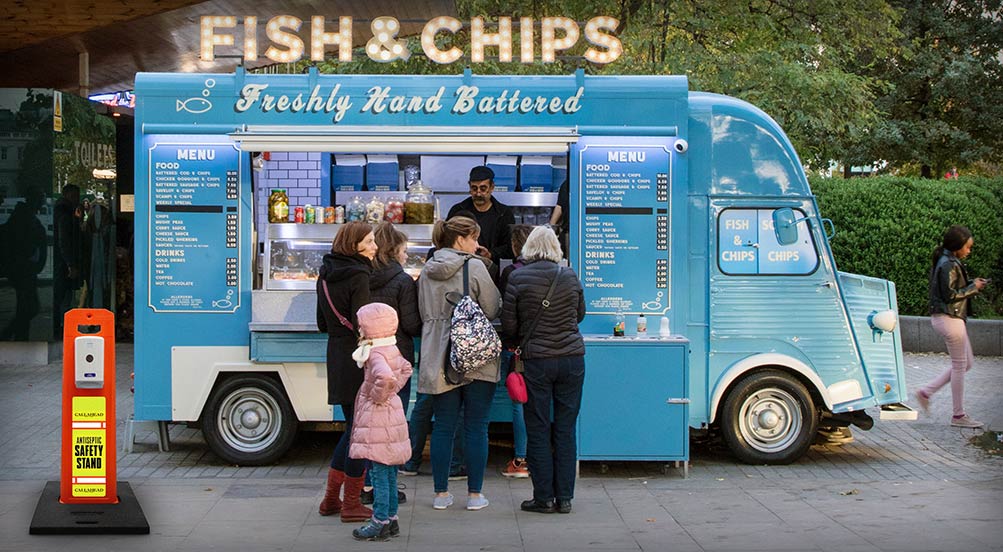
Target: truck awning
x,y
399,139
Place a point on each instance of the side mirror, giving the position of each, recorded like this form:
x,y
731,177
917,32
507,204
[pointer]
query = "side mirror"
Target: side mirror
x,y
784,226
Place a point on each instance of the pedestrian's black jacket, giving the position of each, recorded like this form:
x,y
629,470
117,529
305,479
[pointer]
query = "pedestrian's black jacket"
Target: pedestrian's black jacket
x,y
556,334
950,288
391,285
348,285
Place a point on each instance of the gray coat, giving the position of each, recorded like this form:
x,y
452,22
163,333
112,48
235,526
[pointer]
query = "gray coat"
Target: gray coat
x,y
444,273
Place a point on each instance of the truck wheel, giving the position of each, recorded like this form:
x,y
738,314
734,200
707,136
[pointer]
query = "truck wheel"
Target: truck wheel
x,y
248,421
769,418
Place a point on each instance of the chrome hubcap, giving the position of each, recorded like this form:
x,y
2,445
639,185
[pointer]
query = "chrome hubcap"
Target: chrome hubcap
x,y
770,420
249,419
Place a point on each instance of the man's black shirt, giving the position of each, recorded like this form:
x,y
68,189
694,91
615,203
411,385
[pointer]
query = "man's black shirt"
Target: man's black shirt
x,y
496,226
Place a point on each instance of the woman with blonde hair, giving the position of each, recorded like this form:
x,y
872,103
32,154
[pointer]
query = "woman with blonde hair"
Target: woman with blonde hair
x,y
456,240
554,361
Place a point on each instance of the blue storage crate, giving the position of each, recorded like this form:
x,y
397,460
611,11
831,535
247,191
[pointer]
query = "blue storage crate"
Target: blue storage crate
x,y
382,173
504,167
536,174
348,173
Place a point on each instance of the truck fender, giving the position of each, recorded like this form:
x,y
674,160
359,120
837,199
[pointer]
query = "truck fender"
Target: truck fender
x,y
748,364
195,370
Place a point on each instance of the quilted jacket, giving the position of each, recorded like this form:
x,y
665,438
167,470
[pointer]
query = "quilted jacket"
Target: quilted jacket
x,y
379,432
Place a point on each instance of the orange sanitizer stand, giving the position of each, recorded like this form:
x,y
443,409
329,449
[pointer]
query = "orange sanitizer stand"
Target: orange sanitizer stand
x,y
87,468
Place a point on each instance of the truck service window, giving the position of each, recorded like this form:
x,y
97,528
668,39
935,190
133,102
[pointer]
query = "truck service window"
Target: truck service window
x,y
748,245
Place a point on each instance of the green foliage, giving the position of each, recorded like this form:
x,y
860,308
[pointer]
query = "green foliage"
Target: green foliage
x,y
945,103
888,227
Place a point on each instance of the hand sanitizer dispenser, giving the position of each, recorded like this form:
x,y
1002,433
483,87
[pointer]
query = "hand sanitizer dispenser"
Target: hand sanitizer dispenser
x,y
89,362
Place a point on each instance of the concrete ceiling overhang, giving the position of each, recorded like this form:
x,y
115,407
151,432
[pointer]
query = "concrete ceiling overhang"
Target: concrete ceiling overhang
x,y
41,40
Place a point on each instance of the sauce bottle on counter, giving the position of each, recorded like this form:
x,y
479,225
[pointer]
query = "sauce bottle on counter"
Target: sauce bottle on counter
x,y
642,325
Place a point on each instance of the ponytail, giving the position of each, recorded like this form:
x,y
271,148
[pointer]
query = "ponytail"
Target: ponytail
x,y
954,239
446,232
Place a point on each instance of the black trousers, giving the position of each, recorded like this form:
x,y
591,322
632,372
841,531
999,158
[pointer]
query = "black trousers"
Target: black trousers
x,y
553,385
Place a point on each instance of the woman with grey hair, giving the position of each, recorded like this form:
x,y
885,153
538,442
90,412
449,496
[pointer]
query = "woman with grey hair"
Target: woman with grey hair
x,y
554,357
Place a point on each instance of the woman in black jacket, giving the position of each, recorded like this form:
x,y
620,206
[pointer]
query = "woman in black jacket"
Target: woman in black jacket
x,y
343,288
554,359
950,291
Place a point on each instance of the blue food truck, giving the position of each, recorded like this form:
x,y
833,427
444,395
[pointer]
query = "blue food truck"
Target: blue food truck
x,y
691,209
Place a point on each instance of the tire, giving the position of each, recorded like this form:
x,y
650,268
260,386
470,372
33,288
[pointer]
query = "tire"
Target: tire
x,y
769,418
248,421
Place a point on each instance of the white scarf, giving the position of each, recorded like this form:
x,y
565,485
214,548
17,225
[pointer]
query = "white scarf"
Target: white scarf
x,y
361,355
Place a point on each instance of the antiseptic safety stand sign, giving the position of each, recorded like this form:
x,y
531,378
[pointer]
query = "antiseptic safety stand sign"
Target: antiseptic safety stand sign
x,y
88,498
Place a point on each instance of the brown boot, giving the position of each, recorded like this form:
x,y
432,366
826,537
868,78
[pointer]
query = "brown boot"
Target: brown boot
x,y
352,510
332,503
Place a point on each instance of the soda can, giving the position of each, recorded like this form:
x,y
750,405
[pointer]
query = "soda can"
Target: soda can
x,y
339,214
329,215
298,215
309,215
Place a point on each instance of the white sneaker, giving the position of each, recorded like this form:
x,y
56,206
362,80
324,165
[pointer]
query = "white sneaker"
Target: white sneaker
x,y
966,422
442,502
924,402
477,502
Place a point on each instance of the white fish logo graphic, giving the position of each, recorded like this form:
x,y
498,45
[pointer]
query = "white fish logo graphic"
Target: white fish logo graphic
x,y
194,105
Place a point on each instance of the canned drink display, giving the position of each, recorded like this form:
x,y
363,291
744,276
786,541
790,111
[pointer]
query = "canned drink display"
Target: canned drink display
x,y
339,214
318,213
298,215
329,215
309,214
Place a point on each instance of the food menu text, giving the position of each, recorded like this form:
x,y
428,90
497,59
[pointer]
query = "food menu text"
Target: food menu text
x,y
194,227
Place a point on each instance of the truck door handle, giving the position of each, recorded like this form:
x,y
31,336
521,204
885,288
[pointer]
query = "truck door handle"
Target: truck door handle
x,y
826,284
677,401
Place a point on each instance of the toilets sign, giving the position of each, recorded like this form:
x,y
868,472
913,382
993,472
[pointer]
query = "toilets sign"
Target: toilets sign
x,y
288,41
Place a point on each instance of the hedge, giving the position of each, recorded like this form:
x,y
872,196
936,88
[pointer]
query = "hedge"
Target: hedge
x,y
888,227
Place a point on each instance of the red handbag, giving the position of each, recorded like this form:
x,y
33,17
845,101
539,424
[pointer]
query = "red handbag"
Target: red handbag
x,y
515,383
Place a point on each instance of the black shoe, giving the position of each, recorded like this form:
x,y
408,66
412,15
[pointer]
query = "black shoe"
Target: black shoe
x,y
538,506
458,475
366,497
372,531
394,528
564,505
401,497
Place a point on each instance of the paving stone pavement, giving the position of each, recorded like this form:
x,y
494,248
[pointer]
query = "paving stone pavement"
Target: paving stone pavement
x,y
901,486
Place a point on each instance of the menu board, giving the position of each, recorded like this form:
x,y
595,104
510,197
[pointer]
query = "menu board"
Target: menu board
x,y
624,225
194,227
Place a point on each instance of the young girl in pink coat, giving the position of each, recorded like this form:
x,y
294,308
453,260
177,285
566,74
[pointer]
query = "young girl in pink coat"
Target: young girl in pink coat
x,y
379,432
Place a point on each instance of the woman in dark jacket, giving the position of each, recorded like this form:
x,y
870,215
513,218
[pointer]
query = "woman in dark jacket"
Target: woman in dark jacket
x,y
554,359
343,288
950,291
389,284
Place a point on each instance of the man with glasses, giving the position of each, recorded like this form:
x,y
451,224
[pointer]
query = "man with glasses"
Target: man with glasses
x,y
494,218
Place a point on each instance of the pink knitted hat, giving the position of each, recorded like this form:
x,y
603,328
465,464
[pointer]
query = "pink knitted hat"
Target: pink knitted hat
x,y
377,320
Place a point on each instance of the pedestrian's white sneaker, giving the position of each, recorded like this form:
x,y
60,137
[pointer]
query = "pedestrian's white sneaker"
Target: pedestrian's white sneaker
x,y
966,422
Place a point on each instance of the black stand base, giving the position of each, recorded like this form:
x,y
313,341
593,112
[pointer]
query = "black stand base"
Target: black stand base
x,y
54,518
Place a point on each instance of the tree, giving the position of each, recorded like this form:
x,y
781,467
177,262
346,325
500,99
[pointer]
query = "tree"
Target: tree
x,y
945,103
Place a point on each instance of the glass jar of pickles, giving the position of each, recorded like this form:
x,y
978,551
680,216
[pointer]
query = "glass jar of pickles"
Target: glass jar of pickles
x,y
418,204
278,206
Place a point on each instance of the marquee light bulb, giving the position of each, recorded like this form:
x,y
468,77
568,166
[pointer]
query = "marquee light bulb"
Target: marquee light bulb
x,y
209,40
442,23
549,43
595,35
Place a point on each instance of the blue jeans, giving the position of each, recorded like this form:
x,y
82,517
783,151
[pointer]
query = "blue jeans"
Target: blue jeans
x,y
405,397
353,467
474,402
553,383
418,429
384,491
518,421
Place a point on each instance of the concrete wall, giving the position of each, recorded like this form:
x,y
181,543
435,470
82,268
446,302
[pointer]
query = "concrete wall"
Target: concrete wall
x,y
918,336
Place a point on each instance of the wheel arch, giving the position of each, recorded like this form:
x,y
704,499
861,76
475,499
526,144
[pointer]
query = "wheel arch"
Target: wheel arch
x,y
196,371
764,361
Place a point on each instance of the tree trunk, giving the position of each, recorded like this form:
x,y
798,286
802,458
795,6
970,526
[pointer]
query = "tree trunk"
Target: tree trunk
x,y
926,171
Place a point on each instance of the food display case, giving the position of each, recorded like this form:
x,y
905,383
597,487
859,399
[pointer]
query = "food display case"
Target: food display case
x,y
294,253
